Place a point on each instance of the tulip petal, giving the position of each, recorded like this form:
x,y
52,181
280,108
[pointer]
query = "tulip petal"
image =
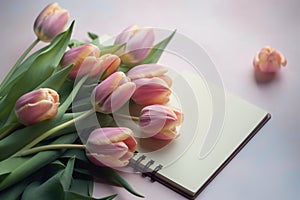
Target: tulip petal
x,y
102,91
119,97
146,71
151,91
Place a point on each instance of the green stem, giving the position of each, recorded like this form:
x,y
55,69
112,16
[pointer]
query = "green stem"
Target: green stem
x,y
17,64
9,131
130,117
54,130
51,147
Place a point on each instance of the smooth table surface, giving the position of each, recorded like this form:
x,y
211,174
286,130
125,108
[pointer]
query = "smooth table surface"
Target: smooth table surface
x,y
231,32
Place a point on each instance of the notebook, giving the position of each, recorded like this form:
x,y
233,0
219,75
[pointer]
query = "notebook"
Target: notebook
x,y
216,126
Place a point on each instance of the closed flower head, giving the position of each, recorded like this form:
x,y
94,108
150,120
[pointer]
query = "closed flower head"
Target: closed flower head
x,y
112,147
160,121
112,93
85,59
139,42
152,84
50,22
37,105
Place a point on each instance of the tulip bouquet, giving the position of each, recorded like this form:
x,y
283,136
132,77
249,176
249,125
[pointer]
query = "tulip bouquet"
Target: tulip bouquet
x,y
59,105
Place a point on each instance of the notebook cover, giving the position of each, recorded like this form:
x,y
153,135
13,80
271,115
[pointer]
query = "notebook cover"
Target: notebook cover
x,y
217,125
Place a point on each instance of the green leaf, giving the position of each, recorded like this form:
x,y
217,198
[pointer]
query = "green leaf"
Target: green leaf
x,y
33,71
7,127
21,137
111,176
66,176
111,49
57,79
75,43
82,186
93,36
157,50
54,82
31,164
77,153
18,139
51,189
14,192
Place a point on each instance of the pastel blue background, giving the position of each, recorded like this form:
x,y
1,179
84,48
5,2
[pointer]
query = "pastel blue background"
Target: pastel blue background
x,y
231,31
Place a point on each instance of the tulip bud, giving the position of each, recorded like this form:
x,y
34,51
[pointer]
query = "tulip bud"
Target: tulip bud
x,y
112,147
138,44
160,121
151,91
149,71
112,93
269,60
109,64
85,59
37,105
50,22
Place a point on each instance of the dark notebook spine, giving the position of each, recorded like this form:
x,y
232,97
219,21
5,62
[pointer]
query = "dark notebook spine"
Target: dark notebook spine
x,y
145,170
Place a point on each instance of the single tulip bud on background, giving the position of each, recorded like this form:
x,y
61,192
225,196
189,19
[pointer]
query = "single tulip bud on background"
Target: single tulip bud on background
x,y
160,121
111,147
50,22
138,44
112,93
85,59
269,60
37,105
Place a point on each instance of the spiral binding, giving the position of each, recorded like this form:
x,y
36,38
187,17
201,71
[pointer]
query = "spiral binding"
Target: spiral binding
x,y
157,168
146,167
151,162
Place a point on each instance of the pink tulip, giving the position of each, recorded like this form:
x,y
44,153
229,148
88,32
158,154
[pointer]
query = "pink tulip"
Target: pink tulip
x,y
269,60
111,147
85,59
139,42
109,64
160,121
149,71
37,105
112,93
50,22
151,91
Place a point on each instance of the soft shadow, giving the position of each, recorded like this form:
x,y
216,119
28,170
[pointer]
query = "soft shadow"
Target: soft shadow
x,y
146,145
263,78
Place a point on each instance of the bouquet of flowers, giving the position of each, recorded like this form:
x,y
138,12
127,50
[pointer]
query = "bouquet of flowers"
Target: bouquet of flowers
x,y
59,105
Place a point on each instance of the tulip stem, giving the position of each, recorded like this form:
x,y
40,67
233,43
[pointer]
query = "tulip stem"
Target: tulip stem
x,y
134,118
55,129
17,64
9,131
51,147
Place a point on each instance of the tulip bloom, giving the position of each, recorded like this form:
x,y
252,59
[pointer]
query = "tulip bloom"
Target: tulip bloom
x,y
151,91
138,44
152,84
111,147
149,71
37,105
112,93
50,22
269,60
85,59
109,64
160,121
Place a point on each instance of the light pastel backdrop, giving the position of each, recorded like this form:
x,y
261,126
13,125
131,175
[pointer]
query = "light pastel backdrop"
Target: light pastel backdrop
x,y
231,31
